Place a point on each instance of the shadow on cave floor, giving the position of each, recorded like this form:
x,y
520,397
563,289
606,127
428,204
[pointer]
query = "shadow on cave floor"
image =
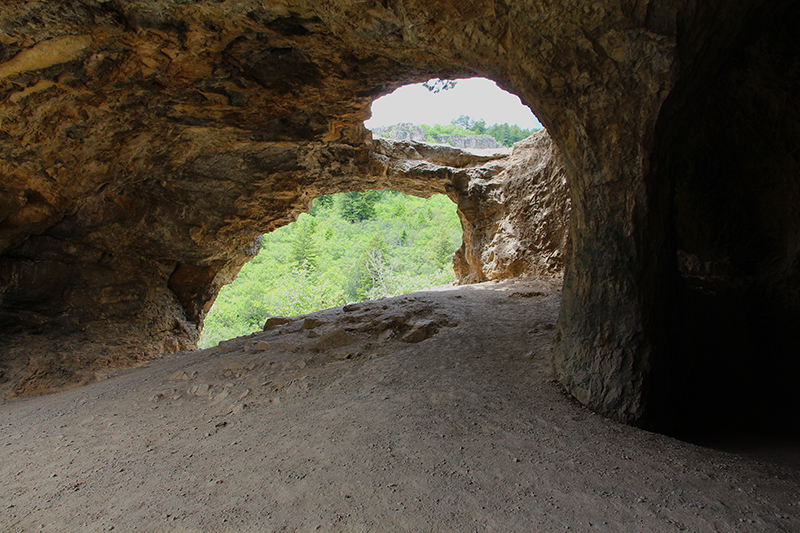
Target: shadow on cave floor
x,y
769,449
285,431
739,395
763,428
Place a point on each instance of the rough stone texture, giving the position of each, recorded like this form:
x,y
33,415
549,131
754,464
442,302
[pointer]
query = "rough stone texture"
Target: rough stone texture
x,y
509,226
514,209
516,222
146,144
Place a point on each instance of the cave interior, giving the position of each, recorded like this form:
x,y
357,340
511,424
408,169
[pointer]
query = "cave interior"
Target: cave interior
x,y
682,283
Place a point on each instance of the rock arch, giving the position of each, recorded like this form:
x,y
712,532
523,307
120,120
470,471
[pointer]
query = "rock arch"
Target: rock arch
x,y
145,144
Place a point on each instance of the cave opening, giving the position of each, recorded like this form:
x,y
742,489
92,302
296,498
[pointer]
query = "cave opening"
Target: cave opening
x,y
145,145
441,111
353,246
124,216
681,278
349,247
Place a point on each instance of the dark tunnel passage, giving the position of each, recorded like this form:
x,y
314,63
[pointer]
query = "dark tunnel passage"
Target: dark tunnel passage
x,y
730,149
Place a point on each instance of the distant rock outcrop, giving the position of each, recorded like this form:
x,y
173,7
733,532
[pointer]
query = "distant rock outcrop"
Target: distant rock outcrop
x,y
411,132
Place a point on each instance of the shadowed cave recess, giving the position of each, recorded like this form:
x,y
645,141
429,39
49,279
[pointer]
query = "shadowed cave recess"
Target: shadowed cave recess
x,y
145,145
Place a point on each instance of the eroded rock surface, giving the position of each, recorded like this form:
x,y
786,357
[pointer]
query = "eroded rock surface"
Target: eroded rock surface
x,y
516,222
145,145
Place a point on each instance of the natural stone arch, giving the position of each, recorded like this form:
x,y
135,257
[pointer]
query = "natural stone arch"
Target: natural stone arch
x,y
129,127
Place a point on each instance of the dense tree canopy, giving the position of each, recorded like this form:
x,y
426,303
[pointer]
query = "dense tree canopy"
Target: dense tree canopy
x,y
356,206
349,247
505,134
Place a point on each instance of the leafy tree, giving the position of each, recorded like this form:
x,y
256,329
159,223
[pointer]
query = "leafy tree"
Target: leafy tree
x,y
441,250
373,267
323,202
399,208
326,200
463,122
508,135
301,291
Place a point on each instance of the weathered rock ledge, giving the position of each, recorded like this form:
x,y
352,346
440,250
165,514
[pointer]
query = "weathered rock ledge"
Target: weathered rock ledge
x,y
117,322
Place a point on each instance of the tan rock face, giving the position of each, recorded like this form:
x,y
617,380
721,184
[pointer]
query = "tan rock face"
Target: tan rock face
x,y
514,208
516,222
145,145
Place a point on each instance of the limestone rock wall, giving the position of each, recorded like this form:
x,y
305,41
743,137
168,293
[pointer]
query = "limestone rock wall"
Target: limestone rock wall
x,y
144,145
516,223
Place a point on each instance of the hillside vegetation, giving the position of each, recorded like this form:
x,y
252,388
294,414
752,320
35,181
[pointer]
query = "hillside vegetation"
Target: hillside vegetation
x,y
349,247
505,134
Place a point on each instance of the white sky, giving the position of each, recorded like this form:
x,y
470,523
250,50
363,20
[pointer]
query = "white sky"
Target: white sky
x,y
478,98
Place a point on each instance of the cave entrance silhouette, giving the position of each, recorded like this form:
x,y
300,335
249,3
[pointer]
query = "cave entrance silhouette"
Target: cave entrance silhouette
x,y
347,248
411,247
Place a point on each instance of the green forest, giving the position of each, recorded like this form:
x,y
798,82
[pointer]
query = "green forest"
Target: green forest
x,y
505,134
349,247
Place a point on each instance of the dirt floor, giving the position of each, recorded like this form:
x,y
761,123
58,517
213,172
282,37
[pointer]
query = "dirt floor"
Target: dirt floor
x,y
428,412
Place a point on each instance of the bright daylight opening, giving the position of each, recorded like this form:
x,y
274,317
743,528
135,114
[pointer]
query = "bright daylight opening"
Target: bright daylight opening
x,y
357,246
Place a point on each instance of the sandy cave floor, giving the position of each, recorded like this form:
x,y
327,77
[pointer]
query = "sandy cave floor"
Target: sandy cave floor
x,y
428,412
